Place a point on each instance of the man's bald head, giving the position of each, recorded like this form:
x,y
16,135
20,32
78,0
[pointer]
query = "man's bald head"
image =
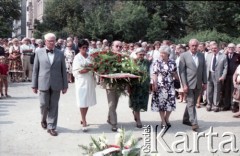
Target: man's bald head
x,y
117,46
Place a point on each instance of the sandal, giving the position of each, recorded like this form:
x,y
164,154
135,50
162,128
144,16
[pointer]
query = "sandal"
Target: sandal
x,y
82,123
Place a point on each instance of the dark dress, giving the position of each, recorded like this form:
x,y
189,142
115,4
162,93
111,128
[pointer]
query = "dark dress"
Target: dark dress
x,y
164,98
138,98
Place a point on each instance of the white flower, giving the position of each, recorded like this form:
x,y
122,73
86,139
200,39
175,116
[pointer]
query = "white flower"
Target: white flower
x,y
118,138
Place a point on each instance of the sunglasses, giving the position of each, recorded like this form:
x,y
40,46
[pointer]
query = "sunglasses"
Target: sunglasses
x,y
117,46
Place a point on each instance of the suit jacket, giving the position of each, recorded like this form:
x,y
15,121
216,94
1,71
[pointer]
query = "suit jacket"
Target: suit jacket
x,y
220,67
45,74
191,75
233,64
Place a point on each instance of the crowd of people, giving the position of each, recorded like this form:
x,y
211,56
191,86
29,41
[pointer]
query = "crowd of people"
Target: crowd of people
x,y
207,71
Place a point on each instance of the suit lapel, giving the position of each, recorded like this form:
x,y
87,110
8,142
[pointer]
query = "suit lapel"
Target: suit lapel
x,y
55,56
219,58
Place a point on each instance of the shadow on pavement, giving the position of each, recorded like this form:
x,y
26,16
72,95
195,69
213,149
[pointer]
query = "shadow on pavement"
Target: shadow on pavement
x,y
4,105
66,130
22,98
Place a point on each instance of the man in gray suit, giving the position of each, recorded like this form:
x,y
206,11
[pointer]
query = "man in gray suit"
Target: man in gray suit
x,y
49,77
192,69
217,66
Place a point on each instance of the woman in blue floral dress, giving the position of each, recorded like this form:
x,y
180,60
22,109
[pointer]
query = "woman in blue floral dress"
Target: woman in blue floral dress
x,y
163,99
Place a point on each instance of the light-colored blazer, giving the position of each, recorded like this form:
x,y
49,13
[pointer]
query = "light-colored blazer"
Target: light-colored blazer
x,y
191,75
45,74
221,65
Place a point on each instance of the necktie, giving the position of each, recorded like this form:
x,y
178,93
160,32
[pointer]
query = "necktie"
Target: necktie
x,y
230,56
49,51
214,63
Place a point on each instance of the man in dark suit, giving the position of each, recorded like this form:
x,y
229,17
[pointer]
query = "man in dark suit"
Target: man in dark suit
x,y
75,45
49,77
216,73
2,51
192,70
233,60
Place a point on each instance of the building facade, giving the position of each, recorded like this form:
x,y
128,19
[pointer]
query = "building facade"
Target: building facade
x,y
34,12
19,26
31,10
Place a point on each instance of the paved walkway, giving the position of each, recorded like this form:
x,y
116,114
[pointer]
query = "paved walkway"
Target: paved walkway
x,y
22,135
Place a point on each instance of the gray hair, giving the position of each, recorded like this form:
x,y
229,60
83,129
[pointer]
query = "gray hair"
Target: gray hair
x,y
39,41
165,49
139,50
49,35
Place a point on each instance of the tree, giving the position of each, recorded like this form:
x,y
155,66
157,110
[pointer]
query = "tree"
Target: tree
x,y
220,15
62,16
9,10
155,30
98,21
130,21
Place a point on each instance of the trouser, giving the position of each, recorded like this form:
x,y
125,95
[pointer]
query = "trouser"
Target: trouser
x,y
27,67
228,91
190,114
213,90
113,97
49,107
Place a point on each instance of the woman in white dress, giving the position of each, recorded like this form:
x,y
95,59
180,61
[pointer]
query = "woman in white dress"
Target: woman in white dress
x,y
84,81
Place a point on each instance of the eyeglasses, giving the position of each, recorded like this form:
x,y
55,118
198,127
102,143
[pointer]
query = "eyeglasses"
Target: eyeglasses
x,y
118,46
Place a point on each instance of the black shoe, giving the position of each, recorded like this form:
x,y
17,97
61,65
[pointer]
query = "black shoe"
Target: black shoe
x,y
225,109
139,126
169,125
187,123
52,132
44,124
216,109
208,108
114,128
234,109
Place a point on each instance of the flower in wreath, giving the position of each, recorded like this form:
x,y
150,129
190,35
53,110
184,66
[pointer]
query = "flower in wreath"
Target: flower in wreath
x,y
125,144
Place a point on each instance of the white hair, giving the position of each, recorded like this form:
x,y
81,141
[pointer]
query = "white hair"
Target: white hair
x,y
193,40
39,41
231,45
139,50
49,35
144,44
165,49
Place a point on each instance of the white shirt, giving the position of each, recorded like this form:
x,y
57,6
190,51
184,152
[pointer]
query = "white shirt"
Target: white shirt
x,y
51,57
26,47
195,58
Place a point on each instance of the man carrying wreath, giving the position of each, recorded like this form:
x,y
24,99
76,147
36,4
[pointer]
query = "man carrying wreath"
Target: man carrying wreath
x,y
113,94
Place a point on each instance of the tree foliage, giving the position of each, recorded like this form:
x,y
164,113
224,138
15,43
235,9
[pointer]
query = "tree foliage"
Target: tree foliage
x,y
141,20
9,11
